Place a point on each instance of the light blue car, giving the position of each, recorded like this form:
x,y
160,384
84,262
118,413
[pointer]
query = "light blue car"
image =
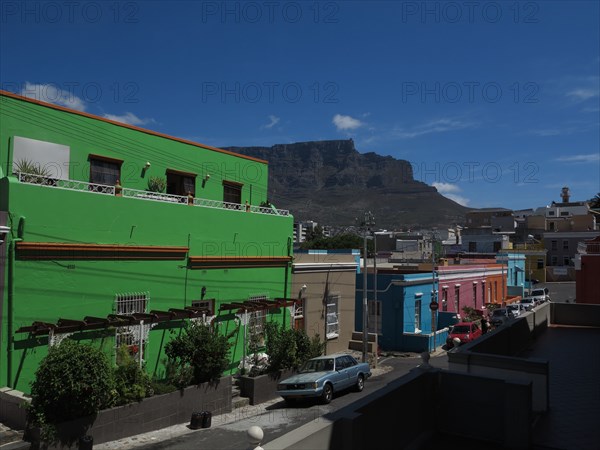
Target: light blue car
x,y
321,377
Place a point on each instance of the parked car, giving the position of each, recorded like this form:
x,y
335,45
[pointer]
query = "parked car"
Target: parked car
x,y
517,309
540,295
500,316
464,332
321,377
528,303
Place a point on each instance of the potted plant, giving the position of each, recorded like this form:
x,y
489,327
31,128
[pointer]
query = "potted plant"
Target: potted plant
x,y
157,184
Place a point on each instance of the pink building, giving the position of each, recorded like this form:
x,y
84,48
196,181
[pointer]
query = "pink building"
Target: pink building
x,y
472,285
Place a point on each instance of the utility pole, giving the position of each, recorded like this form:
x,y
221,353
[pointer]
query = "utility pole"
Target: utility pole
x,y
369,221
433,292
376,306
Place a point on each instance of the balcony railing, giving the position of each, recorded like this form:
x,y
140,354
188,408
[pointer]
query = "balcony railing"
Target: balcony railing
x,y
588,248
82,186
71,185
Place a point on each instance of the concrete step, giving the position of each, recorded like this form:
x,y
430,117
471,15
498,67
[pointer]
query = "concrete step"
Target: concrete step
x,y
16,445
358,346
239,402
11,440
358,336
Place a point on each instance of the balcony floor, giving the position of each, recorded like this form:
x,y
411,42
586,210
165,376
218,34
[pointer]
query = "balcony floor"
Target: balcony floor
x,y
574,356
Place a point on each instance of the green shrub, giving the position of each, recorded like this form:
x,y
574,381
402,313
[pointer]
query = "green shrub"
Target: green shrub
x,y
198,351
132,383
72,381
288,348
281,347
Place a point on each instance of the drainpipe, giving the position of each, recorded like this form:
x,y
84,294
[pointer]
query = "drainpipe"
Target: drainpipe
x,y
10,308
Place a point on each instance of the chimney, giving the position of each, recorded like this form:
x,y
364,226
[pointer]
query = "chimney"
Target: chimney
x,y
565,194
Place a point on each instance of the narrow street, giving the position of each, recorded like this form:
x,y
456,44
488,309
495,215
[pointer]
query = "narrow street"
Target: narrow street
x,y
228,431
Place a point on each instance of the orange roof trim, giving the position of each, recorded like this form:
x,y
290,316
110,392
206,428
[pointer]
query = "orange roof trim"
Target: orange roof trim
x,y
131,127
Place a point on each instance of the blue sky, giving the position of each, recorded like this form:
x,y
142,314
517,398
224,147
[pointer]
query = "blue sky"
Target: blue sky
x,y
494,103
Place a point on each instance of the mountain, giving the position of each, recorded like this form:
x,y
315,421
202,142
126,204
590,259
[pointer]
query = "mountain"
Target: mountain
x,y
330,182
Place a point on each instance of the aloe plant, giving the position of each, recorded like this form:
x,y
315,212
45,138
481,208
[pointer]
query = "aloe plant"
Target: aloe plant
x,y
157,184
30,167
35,173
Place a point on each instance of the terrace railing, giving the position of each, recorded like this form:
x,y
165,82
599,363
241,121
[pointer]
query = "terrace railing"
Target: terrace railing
x,y
82,186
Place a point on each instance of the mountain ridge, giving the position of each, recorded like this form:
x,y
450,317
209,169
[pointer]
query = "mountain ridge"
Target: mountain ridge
x,y
332,183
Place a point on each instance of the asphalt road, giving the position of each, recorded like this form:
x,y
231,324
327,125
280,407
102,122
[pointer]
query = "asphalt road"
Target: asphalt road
x,y
559,292
277,418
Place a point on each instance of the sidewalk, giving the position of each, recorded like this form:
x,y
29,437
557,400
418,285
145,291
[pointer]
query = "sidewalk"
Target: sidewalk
x,y
246,415
243,413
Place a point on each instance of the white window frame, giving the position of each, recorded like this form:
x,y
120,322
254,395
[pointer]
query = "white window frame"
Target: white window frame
x,y
257,319
132,335
333,315
418,306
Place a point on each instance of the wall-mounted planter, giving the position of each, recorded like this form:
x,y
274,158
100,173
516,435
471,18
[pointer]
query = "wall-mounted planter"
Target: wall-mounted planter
x,y
263,387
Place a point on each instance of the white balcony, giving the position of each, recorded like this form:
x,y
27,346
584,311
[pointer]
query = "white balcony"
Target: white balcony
x,y
82,186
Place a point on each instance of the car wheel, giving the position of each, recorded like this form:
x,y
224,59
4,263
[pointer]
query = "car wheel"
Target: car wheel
x,y
327,393
360,383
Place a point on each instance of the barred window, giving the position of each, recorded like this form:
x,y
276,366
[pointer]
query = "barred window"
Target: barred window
x,y
257,319
104,170
134,337
333,324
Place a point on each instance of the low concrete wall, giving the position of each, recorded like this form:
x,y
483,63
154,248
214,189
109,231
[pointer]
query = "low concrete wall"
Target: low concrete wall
x,y
412,410
495,355
423,342
262,388
150,414
13,411
517,370
575,314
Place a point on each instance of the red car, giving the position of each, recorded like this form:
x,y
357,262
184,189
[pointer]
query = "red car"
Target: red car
x,y
465,332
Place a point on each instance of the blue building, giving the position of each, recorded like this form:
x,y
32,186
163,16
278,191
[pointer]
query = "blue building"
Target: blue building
x,y
403,317
514,264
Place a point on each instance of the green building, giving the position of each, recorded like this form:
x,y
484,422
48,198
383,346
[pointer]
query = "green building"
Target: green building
x,y
92,249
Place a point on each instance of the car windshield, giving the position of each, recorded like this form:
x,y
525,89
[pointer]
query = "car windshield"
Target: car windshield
x,y
527,300
461,329
513,307
317,365
538,292
499,312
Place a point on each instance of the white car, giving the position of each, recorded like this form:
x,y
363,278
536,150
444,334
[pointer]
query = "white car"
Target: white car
x,y
528,303
517,309
539,295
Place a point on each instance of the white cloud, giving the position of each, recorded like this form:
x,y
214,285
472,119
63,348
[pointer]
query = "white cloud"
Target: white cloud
x,y
446,187
343,123
580,89
546,132
435,126
590,157
450,191
128,118
583,93
274,120
52,94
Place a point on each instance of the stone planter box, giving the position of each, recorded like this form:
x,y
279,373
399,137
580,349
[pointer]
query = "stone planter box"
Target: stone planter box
x,y
150,414
263,387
